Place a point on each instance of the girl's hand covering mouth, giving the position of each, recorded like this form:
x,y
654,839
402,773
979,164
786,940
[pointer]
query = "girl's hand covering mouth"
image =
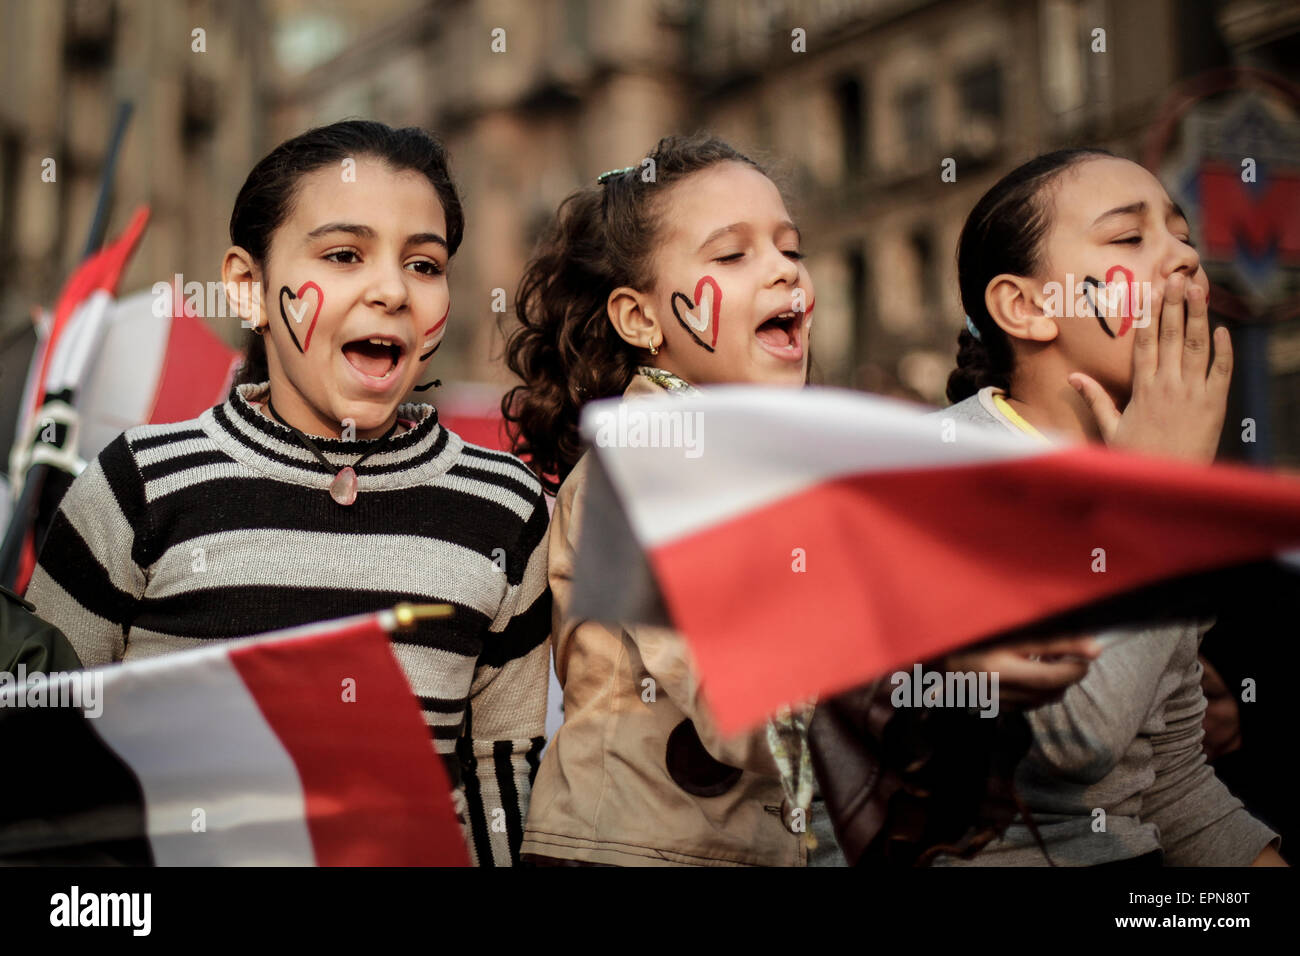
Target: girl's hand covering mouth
x,y
1179,398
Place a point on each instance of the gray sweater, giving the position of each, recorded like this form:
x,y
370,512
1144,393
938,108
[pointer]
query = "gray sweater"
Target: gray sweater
x,y
1126,741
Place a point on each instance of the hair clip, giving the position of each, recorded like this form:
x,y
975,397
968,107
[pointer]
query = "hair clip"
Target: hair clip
x,y
970,327
603,177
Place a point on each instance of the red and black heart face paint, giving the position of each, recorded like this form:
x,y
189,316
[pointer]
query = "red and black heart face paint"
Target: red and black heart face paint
x,y
696,316
433,335
297,305
1129,309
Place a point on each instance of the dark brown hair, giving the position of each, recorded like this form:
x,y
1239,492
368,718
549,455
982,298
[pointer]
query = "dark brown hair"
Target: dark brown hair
x,y
565,348
266,198
1002,234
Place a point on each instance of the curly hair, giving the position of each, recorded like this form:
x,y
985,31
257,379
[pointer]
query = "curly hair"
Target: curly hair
x,y
565,349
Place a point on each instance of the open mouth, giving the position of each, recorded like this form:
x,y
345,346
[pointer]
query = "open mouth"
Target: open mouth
x,y
376,356
781,331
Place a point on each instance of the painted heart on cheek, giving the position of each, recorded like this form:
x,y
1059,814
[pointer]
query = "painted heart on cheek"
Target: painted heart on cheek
x,y
297,306
1126,321
697,316
1128,311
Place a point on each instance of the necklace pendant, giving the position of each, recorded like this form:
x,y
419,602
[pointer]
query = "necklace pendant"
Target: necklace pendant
x,y
343,488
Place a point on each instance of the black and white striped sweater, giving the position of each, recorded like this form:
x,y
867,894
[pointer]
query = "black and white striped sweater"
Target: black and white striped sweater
x,y
223,527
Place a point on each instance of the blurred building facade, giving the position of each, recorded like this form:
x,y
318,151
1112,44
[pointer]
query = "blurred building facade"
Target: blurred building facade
x,y
198,125
856,103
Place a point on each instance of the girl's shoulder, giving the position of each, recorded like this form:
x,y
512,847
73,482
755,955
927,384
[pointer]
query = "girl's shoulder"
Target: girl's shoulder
x,y
160,440
500,464
977,408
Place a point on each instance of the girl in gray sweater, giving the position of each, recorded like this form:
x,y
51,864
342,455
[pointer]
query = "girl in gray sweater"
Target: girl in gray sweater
x,y
1053,351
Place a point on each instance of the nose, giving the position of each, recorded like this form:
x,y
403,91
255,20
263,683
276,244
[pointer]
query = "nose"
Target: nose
x,y
784,269
387,289
1183,258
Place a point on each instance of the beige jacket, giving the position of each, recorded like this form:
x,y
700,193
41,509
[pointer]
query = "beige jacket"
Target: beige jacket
x,y
604,792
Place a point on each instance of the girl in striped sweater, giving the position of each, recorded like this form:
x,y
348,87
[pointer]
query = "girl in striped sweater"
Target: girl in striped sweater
x,y
315,493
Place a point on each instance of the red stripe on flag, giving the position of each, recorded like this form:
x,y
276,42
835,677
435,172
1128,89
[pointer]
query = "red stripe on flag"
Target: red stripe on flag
x,y
196,370
376,792
905,565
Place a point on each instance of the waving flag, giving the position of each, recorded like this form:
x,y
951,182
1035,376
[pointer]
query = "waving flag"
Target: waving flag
x,y
59,365
109,365
298,748
808,542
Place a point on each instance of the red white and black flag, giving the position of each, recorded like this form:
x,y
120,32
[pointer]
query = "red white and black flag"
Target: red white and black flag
x,y
809,542
298,748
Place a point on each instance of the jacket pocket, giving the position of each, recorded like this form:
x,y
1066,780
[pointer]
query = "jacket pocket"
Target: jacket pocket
x,y
693,768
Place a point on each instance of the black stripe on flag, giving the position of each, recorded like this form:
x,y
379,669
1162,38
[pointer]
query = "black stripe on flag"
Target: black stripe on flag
x,y
1196,596
75,802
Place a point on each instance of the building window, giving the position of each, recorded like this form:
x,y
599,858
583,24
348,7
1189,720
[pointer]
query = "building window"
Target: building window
x,y
848,106
981,101
575,26
915,113
921,242
855,264
981,92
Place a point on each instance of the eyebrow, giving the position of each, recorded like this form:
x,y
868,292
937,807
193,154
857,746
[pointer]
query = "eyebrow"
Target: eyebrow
x,y
1140,208
787,225
365,232
361,232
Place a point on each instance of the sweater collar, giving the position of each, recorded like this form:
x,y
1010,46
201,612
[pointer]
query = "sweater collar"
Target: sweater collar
x,y
251,437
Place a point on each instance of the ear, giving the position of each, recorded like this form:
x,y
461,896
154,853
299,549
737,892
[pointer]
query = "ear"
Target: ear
x,y
241,279
629,313
1016,305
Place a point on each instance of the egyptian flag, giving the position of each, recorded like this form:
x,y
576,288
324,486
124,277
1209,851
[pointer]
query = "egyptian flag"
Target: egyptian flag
x,y
297,748
808,542
106,364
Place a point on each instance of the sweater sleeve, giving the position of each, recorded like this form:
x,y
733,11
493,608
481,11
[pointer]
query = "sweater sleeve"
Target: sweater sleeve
x,y
1200,822
1084,736
505,724
87,582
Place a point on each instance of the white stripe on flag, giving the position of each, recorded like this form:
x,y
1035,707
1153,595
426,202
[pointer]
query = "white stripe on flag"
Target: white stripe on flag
x,y
195,738
757,448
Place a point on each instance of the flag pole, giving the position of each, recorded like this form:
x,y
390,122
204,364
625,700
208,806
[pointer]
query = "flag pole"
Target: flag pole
x,y
405,616
99,220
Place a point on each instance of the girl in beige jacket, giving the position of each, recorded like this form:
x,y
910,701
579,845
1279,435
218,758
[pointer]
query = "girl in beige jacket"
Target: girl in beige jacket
x,y
685,268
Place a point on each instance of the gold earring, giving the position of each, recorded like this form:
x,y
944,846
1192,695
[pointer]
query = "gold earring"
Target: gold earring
x,y
653,349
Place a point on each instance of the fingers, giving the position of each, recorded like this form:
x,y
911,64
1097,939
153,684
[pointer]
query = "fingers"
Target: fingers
x,y
1196,342
1018,673
1170,350
1221,370
1144,342
1085,647
1099,401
